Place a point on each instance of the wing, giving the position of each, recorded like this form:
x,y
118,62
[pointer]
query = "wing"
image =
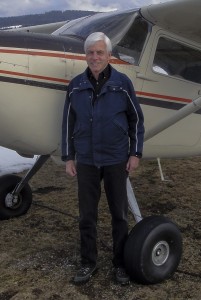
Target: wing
x,y
182,17
45,28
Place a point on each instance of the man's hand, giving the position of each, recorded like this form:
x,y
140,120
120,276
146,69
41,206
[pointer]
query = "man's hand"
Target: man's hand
x,y
71,168
132,163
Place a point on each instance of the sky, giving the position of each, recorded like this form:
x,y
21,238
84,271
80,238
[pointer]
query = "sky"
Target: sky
x,y
23,7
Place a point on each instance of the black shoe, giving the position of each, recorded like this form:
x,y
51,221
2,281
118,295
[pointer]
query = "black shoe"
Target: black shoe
x,y
121,276
85,273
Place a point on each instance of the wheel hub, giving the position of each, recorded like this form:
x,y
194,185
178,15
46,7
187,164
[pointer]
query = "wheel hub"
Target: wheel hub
x,y
12,201
160,253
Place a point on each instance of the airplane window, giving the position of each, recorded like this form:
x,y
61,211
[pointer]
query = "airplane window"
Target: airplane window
x,y
176,59
114,24
127,31
131,45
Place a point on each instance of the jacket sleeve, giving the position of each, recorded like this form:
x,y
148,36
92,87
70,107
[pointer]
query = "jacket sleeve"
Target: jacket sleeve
x,y
135,122
67,145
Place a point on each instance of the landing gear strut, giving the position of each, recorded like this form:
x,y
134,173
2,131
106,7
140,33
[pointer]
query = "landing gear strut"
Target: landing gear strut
x,y
154,247
15,193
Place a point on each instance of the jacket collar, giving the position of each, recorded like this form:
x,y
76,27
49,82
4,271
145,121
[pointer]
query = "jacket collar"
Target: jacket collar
x,y
113,80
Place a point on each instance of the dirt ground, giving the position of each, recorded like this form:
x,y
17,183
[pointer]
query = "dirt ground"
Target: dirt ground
x,y
39,252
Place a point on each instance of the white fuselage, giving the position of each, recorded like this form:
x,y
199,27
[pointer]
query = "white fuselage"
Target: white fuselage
x,y
31,114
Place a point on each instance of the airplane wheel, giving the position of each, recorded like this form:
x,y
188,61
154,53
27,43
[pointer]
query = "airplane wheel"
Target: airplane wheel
x,y
153,250
10,206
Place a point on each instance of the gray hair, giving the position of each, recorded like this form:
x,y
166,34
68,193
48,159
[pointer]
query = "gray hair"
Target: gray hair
x,y
95,37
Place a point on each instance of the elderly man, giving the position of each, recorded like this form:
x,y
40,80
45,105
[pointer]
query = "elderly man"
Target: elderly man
x,y
102,139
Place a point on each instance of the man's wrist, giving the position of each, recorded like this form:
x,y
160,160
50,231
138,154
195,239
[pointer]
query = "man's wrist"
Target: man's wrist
x,y
138,155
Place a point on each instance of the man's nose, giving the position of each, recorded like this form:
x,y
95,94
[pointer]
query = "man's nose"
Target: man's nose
x,y
95,55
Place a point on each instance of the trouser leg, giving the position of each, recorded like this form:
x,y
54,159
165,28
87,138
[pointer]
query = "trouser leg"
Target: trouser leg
x,y
89,191
115,177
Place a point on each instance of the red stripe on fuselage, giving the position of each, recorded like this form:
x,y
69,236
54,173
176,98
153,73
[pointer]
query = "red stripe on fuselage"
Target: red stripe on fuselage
x,y
77,57
58,54
164,97
25,75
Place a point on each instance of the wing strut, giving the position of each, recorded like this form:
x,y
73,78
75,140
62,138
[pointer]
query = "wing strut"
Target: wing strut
x,y
179,115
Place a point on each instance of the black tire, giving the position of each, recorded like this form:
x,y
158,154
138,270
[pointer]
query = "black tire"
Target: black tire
x,y
153,250
24,199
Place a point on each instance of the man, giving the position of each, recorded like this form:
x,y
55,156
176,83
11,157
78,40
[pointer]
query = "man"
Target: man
x,y
103,130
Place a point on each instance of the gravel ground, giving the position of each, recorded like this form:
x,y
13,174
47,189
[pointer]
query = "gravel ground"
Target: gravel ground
x,y
39,252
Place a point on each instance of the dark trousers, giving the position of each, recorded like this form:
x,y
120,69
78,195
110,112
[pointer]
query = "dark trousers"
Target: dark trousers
x,y
89,192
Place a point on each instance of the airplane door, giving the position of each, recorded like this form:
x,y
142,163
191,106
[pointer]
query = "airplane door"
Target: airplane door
x,y
171,81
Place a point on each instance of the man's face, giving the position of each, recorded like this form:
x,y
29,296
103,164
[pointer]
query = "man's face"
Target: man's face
x,y
97,58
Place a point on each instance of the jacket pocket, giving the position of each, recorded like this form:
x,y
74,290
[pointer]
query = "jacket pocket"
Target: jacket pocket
x,y
82,139
123,127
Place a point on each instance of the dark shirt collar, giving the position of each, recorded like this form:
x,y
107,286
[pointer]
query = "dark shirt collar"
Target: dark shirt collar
x,y
105,74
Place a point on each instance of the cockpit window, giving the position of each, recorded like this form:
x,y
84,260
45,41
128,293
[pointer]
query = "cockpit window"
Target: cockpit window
x,y
127,31
176,59
131,46
113,24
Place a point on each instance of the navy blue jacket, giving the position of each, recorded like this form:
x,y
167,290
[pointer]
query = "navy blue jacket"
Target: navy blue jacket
x,y
106,132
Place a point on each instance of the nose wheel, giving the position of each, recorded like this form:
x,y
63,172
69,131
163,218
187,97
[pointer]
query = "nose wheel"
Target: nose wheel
x,y
15,192
12,205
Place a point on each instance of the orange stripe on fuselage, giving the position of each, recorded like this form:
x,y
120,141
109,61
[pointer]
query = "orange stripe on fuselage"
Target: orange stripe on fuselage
x,y
158,96
34,76
57,54
76,57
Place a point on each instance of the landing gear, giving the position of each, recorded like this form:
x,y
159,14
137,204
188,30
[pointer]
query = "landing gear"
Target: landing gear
x,y
153,249
16,194
13,205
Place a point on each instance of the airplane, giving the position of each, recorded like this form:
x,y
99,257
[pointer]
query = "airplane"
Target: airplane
x,y
159,48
